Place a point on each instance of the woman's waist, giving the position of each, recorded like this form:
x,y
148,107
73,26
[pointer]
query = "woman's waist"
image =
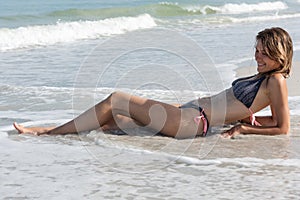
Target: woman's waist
x,y
223,108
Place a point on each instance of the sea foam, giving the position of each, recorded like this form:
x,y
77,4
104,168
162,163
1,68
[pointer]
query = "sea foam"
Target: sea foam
x,y
263,18
247,8
241,162
231,8
61,32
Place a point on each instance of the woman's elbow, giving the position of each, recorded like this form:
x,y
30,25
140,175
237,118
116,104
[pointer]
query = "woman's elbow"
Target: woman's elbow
x,y
283,127
284,130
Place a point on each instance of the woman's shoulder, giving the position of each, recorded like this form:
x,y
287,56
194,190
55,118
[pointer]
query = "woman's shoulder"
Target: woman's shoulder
x,y
276,78
276,81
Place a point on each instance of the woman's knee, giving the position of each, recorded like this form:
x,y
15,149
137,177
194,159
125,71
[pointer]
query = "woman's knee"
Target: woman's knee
x,y
114,95
115,100
118,97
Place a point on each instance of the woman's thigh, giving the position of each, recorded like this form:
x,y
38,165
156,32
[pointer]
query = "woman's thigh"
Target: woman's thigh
x,y
165,118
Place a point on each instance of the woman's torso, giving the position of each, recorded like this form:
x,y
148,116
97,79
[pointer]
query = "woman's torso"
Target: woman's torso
x,y
224,107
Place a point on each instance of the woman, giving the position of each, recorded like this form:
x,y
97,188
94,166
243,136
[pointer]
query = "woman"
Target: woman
x,y
274,51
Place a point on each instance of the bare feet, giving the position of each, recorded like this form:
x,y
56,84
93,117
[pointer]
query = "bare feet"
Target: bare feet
x,y
32,130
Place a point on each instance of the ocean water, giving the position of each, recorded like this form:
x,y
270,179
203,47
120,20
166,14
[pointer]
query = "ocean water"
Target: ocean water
x,y
60,58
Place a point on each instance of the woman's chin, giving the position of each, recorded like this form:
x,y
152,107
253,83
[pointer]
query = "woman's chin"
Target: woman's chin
x,y
261,69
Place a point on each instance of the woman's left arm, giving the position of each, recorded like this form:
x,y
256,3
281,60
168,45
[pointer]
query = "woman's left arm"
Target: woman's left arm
x,y
278,95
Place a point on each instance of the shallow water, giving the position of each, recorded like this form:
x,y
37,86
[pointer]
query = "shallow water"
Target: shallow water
x,y
101,165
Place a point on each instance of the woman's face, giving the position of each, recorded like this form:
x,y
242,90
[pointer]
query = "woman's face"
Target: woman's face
x,y
264,62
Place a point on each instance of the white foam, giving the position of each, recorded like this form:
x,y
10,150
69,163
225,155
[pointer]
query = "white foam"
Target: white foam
x,y
246,162
263,18
243,162
248,8
41,35
168,3
231,8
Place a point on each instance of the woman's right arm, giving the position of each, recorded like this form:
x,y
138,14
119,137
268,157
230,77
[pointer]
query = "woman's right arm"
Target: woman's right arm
x,y
263,120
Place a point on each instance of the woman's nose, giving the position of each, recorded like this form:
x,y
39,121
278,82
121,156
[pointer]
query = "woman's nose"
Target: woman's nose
x,y
258,56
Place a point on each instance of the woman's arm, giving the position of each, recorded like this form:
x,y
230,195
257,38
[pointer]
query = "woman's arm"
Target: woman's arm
x,y
279,122
263,120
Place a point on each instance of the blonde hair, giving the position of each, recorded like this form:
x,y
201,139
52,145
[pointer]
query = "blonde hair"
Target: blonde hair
x,y
278,46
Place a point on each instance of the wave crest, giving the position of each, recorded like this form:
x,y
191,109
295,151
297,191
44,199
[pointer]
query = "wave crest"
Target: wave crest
x,y
42,35
239,8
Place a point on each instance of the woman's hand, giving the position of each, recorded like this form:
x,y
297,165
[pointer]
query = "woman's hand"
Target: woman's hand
x,y
232,132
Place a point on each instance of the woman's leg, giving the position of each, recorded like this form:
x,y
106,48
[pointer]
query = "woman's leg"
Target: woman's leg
x,y
84,122
120,122
33,130
162,117
116,123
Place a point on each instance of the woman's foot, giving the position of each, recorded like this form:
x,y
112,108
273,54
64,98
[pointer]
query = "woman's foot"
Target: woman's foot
x,y
32,130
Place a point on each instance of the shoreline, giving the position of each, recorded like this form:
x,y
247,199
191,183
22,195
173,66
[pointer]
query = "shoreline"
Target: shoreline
x,y
293,82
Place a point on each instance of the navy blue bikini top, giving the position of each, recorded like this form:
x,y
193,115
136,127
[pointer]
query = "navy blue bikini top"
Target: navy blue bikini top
x,y
245,89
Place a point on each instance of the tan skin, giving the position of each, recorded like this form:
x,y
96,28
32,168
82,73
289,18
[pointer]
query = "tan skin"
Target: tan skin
x,y
121,110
